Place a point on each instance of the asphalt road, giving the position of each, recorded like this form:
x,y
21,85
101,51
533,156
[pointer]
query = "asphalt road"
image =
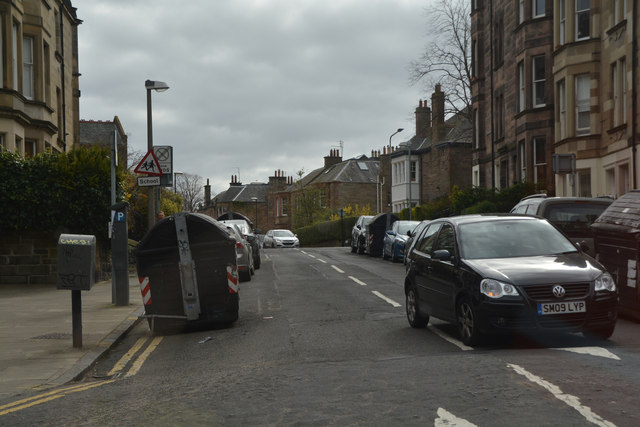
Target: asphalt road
x,y
322,339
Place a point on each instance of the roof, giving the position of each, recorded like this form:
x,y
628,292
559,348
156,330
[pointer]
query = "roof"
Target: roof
x,y
243,193
458,130
356,170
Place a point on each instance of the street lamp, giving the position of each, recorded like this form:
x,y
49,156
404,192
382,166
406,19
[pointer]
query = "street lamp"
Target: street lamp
x,y
398,131
158,87
255,199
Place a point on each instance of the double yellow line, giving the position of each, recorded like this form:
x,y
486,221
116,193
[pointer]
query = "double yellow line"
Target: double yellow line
x,y
28,402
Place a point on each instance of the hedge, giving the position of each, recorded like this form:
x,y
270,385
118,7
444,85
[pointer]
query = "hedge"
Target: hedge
x,y
327,233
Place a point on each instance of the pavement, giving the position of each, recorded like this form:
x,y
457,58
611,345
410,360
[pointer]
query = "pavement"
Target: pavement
x,y
36,333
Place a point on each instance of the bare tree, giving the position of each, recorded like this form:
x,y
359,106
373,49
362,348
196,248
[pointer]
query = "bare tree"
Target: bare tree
x,y
446,59
189,186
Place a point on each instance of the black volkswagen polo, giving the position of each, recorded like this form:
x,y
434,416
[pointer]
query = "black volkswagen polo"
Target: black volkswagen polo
x,y
506,273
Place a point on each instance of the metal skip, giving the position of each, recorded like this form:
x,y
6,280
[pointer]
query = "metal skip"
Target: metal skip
x,y
190,298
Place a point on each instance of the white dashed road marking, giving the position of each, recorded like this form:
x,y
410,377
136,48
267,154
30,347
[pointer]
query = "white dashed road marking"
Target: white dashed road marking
x,y
387,299
359,282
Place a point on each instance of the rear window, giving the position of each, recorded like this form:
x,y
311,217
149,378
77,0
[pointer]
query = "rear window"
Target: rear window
x,y
574,216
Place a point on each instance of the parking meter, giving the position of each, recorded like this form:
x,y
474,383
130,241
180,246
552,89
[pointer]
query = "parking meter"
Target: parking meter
x,y
119,254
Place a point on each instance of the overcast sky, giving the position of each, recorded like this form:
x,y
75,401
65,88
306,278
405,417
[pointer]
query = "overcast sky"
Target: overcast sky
x,y
255,85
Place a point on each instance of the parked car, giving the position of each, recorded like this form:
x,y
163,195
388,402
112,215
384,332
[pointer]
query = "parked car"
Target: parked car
x,y
394,240
358,242
507,273
247,232
244,255
281,239
573,215
413,235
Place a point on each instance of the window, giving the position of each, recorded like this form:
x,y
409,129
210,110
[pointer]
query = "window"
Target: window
x,y
428,238
29,148
504,174
522,154
538,8
562,108
582,19
539,159
520,11
498,47
584,183
562,28
474,58
539,81
476,128
499,117
413,170
619,87
3,146
1,57
27,68
619,10
582,104
323,198
521,86
14,55
285,209
447,240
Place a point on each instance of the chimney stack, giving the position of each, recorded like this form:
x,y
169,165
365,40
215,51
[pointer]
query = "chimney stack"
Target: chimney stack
x,y
437,114
423,120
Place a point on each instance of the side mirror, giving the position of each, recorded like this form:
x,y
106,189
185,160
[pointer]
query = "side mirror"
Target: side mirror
x,y
583,246
391,233
441,254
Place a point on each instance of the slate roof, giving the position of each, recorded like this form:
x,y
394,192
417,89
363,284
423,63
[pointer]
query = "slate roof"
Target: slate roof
x,y
243,193
357,170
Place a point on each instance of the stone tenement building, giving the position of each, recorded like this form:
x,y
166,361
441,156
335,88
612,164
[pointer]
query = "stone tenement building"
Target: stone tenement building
x,y
39,92
554,95
511,92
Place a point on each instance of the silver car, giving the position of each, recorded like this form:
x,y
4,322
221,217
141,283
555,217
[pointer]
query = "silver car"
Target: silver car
x,y
281,239
244,255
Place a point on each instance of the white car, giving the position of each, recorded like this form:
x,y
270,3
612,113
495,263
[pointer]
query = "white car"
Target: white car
x,y
281,239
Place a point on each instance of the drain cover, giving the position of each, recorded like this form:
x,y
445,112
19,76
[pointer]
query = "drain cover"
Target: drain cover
x,y
53,336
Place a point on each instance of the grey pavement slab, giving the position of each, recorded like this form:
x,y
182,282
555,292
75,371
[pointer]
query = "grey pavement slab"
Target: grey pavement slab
x,y
36,340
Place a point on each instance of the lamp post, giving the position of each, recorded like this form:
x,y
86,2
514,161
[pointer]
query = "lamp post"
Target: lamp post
x,y
398,131
158,87
255,199
390,172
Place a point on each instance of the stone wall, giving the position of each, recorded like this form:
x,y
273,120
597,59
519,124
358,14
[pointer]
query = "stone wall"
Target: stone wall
x,y
28,258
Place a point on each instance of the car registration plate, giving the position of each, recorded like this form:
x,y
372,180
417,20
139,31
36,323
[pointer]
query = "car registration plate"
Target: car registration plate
x,y
566,307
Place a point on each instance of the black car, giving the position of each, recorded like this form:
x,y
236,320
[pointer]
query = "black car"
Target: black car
x,y
507,273
358,242
572,215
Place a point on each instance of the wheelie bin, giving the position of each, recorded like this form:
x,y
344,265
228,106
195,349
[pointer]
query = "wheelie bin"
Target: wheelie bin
x,y
186,267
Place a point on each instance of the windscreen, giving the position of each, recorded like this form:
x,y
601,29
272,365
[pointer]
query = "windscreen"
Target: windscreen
x,y
282,233
512,238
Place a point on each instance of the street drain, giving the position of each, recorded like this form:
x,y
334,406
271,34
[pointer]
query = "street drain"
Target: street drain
x,y
53,336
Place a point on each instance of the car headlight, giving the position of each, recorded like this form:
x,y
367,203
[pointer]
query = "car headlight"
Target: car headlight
x,y
495,289
605,283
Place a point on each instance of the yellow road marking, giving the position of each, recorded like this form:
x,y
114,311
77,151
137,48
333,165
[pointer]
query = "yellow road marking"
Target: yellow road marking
x,y
47,397
141,359
127,357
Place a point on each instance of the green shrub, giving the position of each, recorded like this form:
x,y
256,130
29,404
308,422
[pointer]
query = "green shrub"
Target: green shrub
x,y
327,233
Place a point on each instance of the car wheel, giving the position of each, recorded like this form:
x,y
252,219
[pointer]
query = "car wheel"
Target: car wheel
x,y
354,249
416,320
601,332
468,323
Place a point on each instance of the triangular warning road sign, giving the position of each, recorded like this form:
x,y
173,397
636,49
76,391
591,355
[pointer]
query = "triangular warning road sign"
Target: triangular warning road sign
x,y
149,165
